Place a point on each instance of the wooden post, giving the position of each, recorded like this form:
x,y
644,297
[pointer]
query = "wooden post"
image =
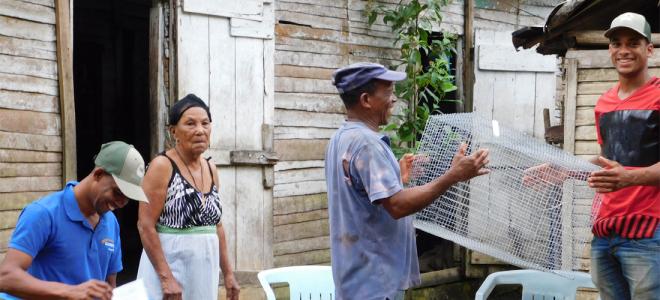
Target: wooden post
x,y
468,60
570,104
64,32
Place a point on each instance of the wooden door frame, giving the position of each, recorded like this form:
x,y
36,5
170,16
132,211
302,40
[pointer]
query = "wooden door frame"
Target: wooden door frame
x,y
64,42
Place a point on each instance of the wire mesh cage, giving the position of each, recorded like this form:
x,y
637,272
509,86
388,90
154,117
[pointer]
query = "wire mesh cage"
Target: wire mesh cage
x,y
534,209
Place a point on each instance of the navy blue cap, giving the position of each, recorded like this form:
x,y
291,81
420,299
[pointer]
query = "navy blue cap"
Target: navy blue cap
x,y
355,75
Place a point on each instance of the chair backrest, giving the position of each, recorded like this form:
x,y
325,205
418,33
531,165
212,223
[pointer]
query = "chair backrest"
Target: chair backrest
x,y
538,285
305,282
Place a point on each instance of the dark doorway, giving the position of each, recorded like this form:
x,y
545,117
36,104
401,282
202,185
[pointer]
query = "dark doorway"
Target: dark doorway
x,y
110,66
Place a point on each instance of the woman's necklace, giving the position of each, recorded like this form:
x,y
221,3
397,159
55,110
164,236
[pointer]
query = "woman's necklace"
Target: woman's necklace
x,y
201,173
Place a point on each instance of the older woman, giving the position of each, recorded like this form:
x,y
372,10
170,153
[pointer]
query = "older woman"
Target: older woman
x,y
184,242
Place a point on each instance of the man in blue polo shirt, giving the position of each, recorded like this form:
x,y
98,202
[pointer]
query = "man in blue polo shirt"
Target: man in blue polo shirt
x,y
372,239
66,245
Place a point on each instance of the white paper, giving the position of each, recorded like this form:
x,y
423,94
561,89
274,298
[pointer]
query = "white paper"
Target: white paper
x,y
134,290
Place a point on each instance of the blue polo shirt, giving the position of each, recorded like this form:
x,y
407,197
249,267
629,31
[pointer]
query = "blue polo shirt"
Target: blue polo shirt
x,y
373,255
63,245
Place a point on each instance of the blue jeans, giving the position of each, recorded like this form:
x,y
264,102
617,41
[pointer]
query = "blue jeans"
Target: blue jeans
x,y
626,268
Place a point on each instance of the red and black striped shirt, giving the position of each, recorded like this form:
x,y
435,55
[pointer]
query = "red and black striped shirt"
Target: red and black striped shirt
x,y
630,227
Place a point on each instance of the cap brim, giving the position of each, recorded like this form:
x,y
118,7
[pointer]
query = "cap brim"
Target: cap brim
x,y
392,76
610,31
131,191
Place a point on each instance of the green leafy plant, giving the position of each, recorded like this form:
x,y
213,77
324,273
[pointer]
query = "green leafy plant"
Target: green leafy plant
x,y
426,86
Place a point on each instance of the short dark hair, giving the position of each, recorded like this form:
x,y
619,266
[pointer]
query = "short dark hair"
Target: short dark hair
x,y
352,97
189,101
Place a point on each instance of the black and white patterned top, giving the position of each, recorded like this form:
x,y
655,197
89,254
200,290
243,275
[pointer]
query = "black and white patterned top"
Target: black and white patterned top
x,y
183,207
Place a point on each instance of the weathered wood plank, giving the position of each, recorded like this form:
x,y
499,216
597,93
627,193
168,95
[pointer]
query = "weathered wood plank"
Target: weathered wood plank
x,y
30,184
305,258
249,93
64,31
24,83
304,85
587,148
8,218
301,149
303,245
298,204
29,101
27,11
302,71
23,141
21,156
311,20
300,217
250,221
570,113
298,175
28,66
285,117
506,58
290,165
584,116
606,74
301,230
299,188
314,10
308,59
223,90
49,3
227,191
302,45
587,100
18,200
26,29
27,48
585,133
310,102
594,88
590,59
29,170
262,29
193,55
305,133
23,121
249,9
340,4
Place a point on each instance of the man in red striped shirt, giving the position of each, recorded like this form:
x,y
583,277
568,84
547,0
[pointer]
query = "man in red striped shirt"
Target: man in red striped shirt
x,y
625,252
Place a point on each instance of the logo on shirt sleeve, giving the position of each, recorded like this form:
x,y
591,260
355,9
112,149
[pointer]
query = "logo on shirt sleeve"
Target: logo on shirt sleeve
x,y
109,244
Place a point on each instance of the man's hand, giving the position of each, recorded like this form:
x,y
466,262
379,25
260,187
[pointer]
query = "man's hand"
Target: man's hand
x,y
171,289
405,164
544,173
90,290
466,167
612,177
232,287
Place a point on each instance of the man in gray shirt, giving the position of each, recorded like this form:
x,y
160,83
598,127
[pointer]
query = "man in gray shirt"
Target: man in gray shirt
x,y
373,248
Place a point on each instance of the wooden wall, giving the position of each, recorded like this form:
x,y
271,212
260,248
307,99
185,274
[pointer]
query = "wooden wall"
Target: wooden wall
x,y
30,125
313,38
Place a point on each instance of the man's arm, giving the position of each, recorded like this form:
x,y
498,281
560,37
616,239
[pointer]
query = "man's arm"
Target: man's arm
x,y
16,281
614,176
412,200
112,280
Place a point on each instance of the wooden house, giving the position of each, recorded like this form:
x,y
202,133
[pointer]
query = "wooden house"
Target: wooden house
x,y
74,74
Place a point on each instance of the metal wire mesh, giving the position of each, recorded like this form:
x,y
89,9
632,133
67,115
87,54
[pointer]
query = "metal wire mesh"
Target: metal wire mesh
x,y
542,222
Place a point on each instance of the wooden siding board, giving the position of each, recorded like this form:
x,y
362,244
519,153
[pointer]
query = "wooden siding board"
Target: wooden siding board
x,y
22,83
298,175
22,156
311,9
26,29
27,11
300,217
309,102
284,133
305,258
301,149
22,121
23,141
27,48
8,218
30,184
18,200
298,204
29,101
304,85
30,170
308,119
299,188
301,246
28,66
289,232
290,165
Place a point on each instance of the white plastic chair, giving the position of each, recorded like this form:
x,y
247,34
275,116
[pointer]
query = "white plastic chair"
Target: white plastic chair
x,y
305,282
537,284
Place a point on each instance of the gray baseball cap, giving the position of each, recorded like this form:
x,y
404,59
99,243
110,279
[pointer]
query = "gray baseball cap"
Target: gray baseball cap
x,y
126,166
358,74
632,21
